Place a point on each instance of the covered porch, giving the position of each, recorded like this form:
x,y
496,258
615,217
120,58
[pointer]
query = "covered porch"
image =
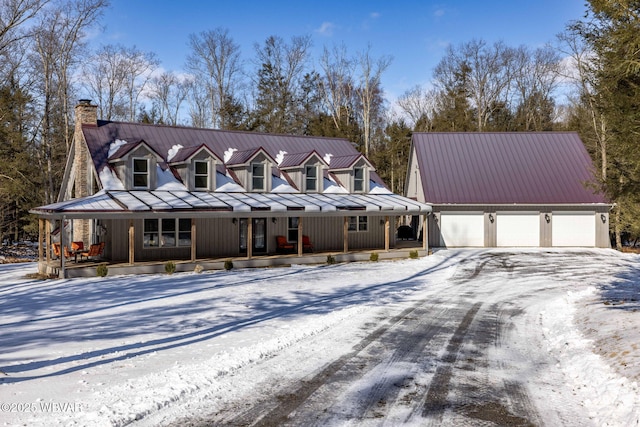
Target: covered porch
x,y
142,230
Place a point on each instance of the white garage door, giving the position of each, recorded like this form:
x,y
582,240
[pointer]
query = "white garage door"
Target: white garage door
x,y
518,229
462,229
573,229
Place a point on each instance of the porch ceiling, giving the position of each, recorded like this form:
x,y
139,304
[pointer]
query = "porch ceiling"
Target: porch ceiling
x,y
127,204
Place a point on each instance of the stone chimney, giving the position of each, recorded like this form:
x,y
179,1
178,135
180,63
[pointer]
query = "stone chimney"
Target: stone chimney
x,y
86,115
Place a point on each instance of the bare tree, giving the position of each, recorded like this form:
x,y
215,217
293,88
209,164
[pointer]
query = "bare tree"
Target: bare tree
x,y
419,103
215,61
116,77
370,90
337,84
13,15
168,92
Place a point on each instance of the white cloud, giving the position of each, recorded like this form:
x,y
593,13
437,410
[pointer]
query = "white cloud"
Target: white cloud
x,y
326,29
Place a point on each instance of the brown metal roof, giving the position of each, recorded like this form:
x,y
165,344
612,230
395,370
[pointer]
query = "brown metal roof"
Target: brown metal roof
x,y
162,138
505,168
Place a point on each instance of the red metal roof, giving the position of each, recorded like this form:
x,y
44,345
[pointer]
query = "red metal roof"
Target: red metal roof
x,y
505,168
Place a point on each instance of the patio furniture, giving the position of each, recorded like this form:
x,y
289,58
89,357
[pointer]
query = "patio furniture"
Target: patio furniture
x,y
307,246
77,246
283,246
95,251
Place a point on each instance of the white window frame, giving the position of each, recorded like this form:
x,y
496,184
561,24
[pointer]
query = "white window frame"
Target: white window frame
x,y
253,176
135,173
314,188
362,180
159,238
358,224
197,175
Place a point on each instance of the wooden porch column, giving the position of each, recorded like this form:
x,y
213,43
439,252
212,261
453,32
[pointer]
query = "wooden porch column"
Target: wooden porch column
x,y
193,240
386,234
40,238
62,273
47,231
300,231
345,234
249,238
425,233
132,243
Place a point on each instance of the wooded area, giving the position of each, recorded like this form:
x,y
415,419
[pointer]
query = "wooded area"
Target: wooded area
x,y
46,66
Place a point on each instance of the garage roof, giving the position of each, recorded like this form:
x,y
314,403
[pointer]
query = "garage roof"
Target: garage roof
x,y
505,168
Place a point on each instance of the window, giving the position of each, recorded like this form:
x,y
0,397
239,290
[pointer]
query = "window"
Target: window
x,y
358,223
167,232
292,229
140,173
311,173
201,175
257,176
358,180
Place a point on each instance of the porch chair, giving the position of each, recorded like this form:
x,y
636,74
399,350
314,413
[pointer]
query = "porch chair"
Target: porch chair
x,y
67,253
77,246
283,246
94,251
56,249
307,246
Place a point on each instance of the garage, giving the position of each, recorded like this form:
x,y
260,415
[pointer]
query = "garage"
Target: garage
x,y
462,229
518,229
573,229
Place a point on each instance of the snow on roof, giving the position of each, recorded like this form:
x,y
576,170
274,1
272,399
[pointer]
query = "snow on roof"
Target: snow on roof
x,y
109,179
167,181
115,146
228,153
173,151
279,185
375,188
280,157
331,187
225,183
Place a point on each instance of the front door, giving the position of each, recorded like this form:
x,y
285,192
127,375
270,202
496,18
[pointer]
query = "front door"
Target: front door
x,y
259,235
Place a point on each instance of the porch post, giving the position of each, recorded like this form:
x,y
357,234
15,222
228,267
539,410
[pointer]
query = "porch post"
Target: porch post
x,y
249,238
386,233
132,241
193,240
300,231
47,232
40,238
345,234
425,233
63,243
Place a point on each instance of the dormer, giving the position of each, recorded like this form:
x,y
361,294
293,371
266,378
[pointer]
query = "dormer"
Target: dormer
x,y
196,167
353,172
136,163
253,169
306,170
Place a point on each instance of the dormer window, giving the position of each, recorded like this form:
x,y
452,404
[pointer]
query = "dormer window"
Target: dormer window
x,y
258,177
311,174
358,180
201,175
141,173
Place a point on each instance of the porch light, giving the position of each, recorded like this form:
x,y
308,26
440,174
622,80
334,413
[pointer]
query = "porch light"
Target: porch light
x,y
547,218
235,221
603,217
491,218
274,220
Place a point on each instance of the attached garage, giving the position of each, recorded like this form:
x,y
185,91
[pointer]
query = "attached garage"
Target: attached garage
x,y
462,229
518,229
573,229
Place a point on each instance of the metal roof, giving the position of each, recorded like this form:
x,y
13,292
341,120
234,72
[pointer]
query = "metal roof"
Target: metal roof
x,y
126,204
505,168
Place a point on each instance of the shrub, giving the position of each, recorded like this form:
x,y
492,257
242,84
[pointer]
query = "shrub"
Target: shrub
x,y
170,267
413,254
199,269
373,257
331,259
102,270
228,264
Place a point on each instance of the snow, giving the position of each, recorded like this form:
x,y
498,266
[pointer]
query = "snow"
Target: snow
x,y
332,187
173,151
115,145
279,185
167,181
229,153
327,158
280,157
376,188
109,180
151,349
226,184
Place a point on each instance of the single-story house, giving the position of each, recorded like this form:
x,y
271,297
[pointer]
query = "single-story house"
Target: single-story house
x,y
151,193
507,189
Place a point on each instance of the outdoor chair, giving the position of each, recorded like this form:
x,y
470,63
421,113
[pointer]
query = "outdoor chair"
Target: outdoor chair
x,y
77,246
283,246
56,249
307,246
94,251
67,252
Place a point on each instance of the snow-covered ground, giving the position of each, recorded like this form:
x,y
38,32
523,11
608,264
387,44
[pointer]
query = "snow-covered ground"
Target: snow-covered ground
x,y
152,349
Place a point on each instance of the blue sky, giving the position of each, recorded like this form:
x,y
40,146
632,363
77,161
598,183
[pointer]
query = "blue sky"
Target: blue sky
x,y
415,33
